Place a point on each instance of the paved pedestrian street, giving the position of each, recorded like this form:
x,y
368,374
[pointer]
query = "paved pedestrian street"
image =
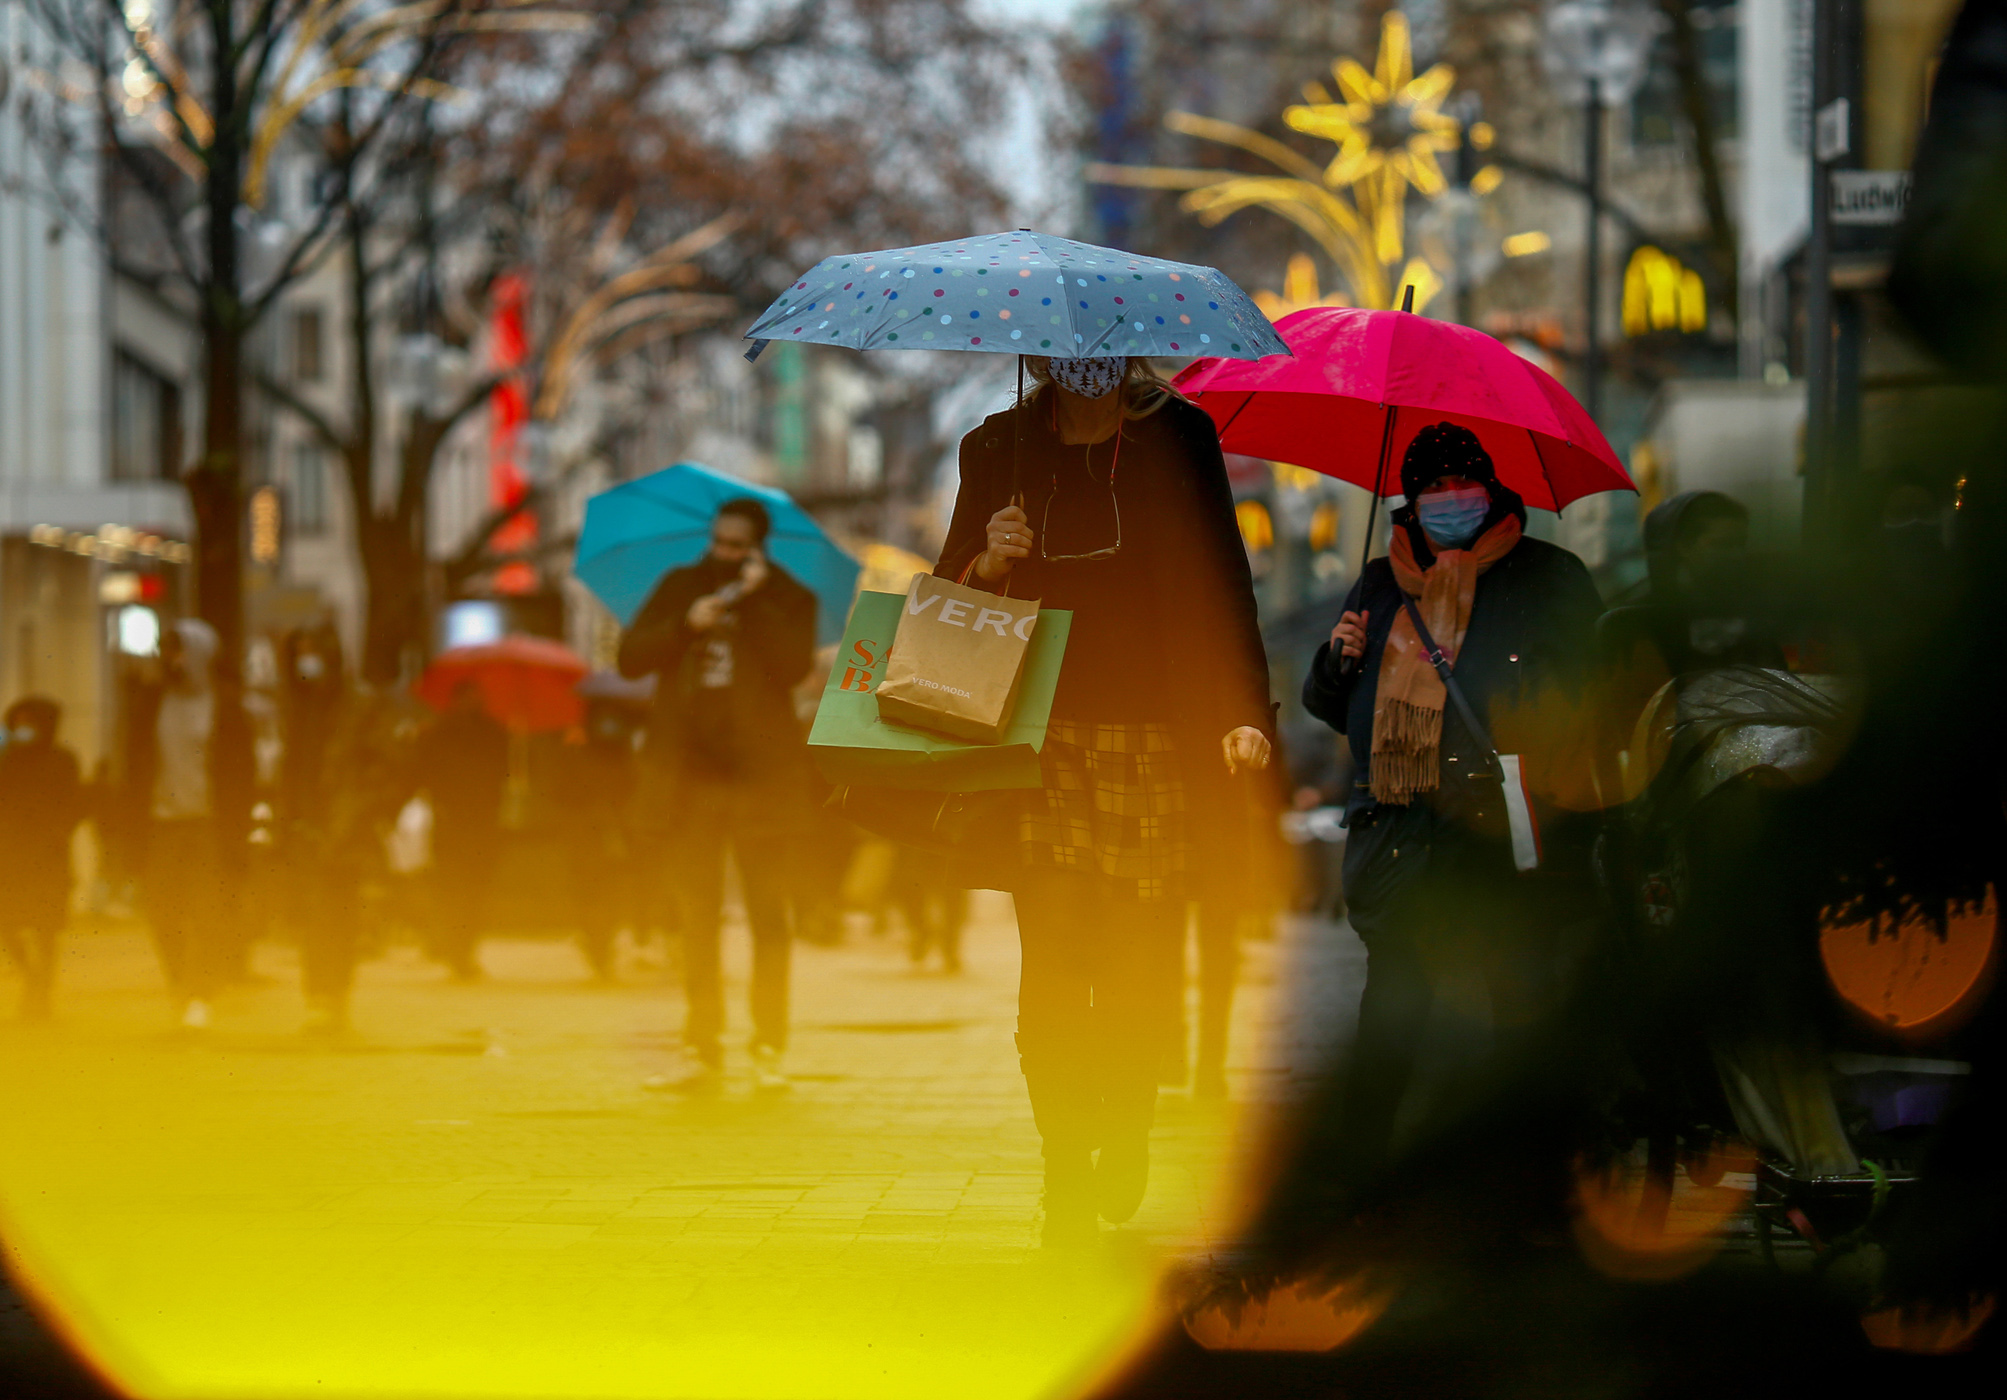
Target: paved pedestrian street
x,y
475,1195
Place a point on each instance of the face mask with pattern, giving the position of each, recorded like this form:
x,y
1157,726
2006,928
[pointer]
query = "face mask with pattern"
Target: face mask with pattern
x,y
1089,378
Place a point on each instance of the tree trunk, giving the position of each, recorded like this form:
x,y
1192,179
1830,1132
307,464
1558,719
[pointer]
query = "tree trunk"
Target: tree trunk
x,y
394,613
215,487
1699,114
215,490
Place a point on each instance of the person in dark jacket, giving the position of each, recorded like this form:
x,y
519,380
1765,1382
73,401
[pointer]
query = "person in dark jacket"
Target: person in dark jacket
x,y
595,790
313,689
340,858
1429,872
1702,605
1105,493
463,767
41,802
726,765
191,761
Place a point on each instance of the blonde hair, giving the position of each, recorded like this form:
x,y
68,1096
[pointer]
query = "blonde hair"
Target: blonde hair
x,y
1143,389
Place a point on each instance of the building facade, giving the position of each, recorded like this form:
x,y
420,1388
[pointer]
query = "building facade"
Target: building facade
x,y
95,422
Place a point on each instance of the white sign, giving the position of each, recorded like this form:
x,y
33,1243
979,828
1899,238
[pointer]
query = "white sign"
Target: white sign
x,y
1831,137
1870,196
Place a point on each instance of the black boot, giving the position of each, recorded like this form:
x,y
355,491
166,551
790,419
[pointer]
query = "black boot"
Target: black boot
x,y
1128,1110
1062,1105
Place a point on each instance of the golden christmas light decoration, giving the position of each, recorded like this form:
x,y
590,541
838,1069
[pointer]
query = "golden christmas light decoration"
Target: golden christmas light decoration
x,y
632,306
1389,128
331,46
1299,290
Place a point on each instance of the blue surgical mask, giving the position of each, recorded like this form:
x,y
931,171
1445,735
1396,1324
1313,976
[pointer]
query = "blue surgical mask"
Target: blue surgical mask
x,y
1451,518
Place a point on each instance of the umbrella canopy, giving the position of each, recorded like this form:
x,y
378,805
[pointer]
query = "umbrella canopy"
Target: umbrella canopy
x,y
641,529
526,683
1363,383
1020,293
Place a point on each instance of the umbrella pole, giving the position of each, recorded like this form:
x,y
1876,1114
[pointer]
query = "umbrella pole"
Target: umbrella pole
x,y
1386,441
1017,439
1346,666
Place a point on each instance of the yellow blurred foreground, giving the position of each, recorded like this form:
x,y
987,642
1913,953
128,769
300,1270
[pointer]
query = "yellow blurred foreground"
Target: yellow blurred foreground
x,y
474,1195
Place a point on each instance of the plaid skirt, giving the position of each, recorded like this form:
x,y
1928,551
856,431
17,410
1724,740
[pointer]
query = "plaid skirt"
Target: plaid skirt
x,y
1112,808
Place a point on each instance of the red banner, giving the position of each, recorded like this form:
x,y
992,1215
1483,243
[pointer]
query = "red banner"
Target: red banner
x,y
509,411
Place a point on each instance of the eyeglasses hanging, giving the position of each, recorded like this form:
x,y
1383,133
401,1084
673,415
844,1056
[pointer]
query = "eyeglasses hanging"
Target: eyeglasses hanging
x,y
1114,501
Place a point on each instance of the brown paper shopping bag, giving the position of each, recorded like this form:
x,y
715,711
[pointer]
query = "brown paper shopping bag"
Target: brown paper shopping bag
x,y
956,660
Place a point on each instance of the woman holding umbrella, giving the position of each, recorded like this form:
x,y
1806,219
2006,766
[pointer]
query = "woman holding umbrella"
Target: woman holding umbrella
x,y
1103,491
1429,868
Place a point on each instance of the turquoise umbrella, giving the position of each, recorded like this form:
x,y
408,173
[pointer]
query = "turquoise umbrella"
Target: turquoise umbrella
x,y
1019,293
641,529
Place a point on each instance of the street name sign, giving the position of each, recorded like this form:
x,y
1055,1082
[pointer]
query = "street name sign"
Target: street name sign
x,y
1870,197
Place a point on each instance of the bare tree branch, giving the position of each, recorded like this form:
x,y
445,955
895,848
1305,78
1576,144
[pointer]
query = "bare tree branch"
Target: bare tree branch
x,y
282,394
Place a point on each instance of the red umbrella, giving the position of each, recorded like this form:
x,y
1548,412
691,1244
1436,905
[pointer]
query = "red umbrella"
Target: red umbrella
x,y
1361,384
527,683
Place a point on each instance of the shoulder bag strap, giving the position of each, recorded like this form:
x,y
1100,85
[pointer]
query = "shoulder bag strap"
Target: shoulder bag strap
x,y
1436,659
1519,814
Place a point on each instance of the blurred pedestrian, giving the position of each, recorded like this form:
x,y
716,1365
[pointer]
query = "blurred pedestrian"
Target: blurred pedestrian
x,y
1104,492
729,637
594,792
1430,875
1699,608
41,802
1320,779
933,906
340,859
312,687
462,764
191,754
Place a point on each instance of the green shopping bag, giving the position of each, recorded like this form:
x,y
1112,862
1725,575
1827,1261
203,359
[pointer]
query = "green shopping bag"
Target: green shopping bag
x,y
852,745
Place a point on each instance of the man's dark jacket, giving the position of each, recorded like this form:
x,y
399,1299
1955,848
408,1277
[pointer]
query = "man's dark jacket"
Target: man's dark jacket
x,y
773,648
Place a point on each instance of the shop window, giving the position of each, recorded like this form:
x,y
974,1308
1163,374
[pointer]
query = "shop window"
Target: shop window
x,y
309,489
309,349
146,422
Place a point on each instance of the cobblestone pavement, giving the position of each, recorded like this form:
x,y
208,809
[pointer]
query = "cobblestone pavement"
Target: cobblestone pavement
x,y
476,1196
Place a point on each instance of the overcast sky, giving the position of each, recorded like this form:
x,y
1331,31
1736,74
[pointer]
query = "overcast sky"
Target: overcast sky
x,y
1039,182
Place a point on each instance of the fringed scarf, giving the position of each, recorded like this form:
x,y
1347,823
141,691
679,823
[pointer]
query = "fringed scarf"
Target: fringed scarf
x,y
1408,704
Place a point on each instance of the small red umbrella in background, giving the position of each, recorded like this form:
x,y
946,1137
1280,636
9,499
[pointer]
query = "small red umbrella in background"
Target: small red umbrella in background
x,y
1360,384
527,683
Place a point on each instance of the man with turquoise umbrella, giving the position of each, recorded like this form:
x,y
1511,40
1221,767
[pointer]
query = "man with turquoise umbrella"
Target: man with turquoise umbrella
x,y
725,587
728,637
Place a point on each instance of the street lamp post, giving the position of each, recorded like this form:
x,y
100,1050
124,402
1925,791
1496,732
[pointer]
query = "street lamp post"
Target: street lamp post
x,y
1592,246
1597,51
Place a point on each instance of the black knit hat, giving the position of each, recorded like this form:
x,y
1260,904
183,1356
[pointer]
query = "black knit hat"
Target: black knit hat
x,y
1444,449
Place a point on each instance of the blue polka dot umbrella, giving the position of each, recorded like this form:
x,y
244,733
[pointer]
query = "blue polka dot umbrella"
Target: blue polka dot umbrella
x,y
1019,293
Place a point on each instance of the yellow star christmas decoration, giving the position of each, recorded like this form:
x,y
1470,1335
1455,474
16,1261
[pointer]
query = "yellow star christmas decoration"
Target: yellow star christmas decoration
x,y
1388,128
1299,290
